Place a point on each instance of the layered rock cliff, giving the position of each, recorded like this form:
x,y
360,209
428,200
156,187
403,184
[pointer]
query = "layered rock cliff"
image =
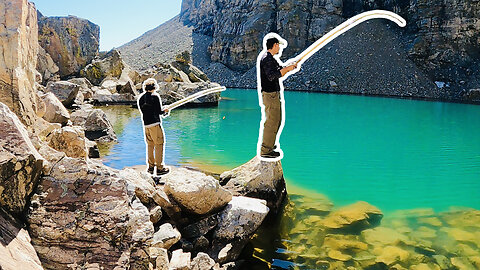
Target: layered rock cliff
x,y
435,56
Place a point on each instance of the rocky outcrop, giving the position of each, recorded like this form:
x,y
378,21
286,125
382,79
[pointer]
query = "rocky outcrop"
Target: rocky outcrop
x,y
18,50
20,164
258,179
71,42
109,66
16,250
196,192
83,213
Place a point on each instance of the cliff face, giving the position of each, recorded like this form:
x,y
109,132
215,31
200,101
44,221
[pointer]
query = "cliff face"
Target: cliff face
x,y
71,42
442,39
18,58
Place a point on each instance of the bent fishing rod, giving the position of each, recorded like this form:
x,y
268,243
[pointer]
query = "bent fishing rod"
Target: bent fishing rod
x,y
192,97
344,27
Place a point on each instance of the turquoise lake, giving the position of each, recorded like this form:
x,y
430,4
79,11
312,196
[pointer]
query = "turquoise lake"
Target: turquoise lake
x,y
392,153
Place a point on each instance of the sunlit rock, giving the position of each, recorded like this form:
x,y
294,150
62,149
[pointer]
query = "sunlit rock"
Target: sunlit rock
x,y
195,191
166,236
20,163
19,49
70,140
65,91
257,179
96,124
180,260
55,111
16,251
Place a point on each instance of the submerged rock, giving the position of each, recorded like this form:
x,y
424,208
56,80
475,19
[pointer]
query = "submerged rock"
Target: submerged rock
x,y
195,191
355,217
258,179
20,163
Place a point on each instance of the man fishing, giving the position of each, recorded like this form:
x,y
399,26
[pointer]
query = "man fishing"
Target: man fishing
x,y
150,106
271,74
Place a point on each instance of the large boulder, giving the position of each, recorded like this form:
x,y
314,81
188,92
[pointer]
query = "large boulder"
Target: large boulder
x,y
110,66
355,217
96,124
71,42
20,163
70,140
83,213
257,179
241,218
236,224
65,91
18,58
195,191
55,111
16,250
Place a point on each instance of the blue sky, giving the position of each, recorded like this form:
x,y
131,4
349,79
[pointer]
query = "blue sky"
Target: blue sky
x,y
120,21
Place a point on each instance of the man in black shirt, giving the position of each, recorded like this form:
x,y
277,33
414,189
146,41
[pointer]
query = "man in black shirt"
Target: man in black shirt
x,y
150,106
270,73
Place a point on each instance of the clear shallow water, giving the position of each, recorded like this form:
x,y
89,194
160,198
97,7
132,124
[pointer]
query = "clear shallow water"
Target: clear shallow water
x,y
394,154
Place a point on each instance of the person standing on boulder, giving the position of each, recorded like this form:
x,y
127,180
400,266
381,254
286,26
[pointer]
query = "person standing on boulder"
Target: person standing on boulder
x,y
270,76
150,105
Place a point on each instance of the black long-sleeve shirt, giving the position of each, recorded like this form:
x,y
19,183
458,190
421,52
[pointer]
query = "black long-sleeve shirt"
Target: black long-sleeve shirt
x,y
151,108
270,73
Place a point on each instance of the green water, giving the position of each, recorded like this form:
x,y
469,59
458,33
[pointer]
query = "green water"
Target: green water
x,y
394,154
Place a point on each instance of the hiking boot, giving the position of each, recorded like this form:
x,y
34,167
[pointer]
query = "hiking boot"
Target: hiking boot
x,y
150,170
272,154
162,171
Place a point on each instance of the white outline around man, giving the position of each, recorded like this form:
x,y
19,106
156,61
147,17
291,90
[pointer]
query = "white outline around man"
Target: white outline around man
x,y
270,77
150,105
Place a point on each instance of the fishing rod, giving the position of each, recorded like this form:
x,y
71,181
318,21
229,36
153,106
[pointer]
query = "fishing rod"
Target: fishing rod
x,y
344,27
190,98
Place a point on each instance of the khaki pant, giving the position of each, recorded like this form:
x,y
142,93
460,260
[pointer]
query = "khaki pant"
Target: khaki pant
x,y
273,119
155,141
